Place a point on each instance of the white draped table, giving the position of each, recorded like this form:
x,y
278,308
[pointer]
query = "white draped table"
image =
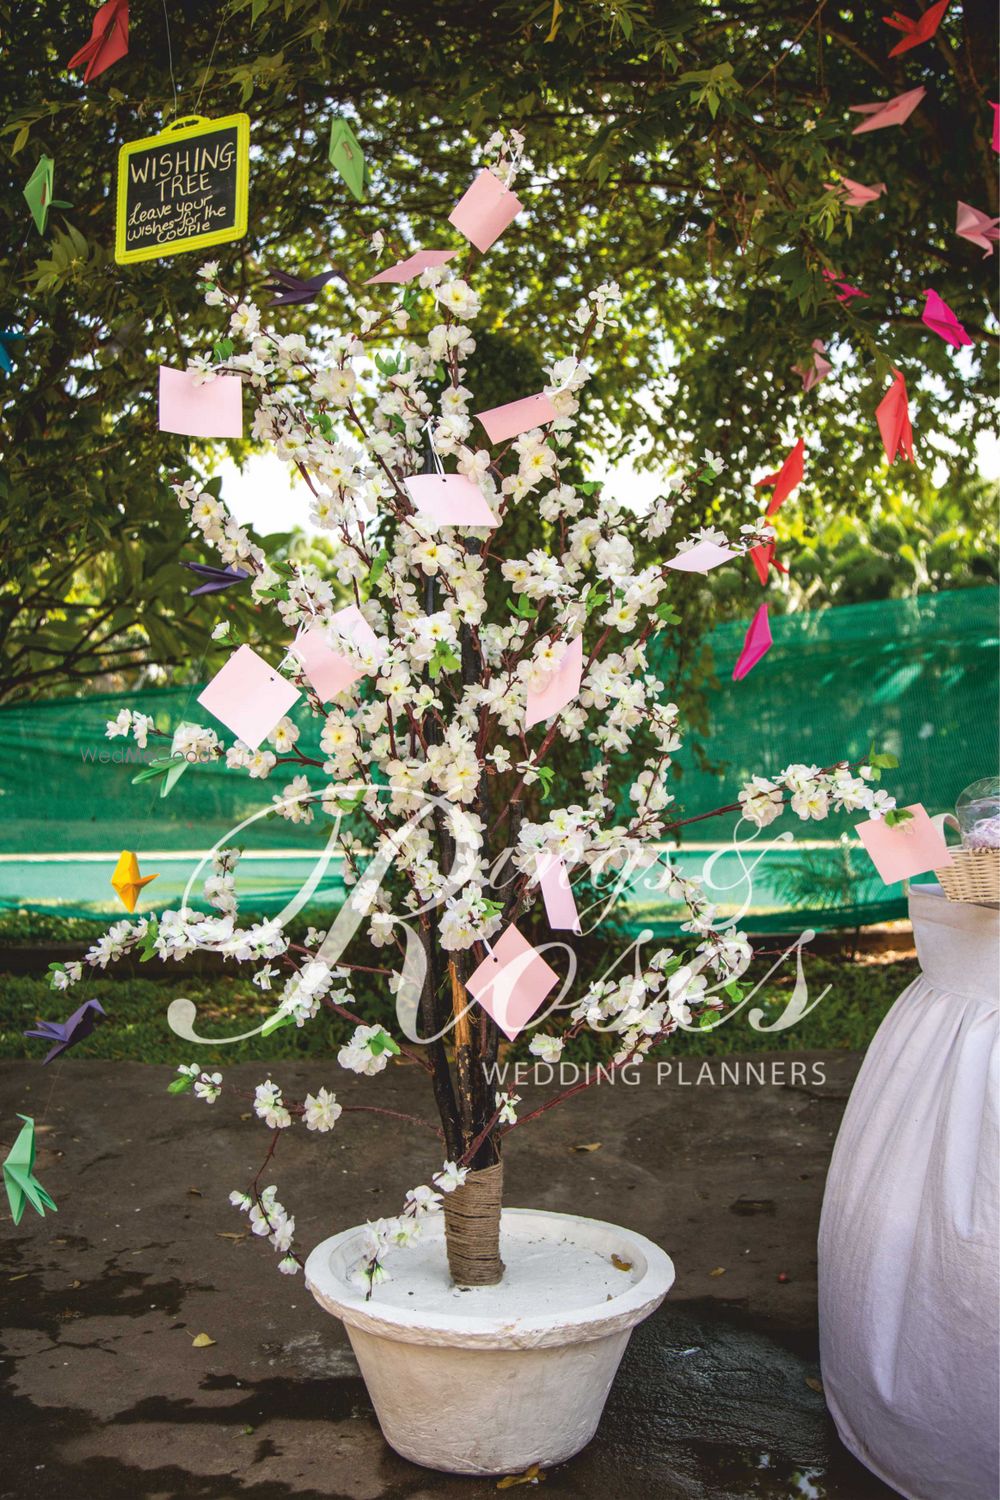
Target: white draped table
x,y
908,1240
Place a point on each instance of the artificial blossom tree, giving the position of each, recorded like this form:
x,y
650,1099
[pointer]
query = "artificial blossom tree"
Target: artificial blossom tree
x,y
445,807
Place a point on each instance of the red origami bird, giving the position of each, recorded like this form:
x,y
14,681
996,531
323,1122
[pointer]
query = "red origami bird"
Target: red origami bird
x,y
786,479
915,32
893,417
108,40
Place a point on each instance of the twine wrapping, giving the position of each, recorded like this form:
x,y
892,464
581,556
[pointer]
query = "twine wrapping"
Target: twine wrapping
x,y
472,1228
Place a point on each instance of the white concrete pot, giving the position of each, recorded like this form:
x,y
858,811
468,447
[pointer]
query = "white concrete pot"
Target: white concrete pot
x,y
488,1380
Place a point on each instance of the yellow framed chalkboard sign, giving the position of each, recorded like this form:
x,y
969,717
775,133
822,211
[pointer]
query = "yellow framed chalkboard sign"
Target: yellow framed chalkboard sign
x,y
184,189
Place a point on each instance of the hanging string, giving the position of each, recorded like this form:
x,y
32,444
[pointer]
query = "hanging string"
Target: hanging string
x,y
429,429
170,54
211,59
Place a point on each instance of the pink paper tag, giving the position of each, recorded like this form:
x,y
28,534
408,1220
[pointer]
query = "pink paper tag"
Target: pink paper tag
x,y
557,893
351,623
409,269
328,671
561,687
249,696
503,422
512,982
911,848
449,500
700,558
214,409
485,210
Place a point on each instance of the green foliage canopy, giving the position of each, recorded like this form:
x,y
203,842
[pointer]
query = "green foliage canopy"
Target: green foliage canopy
x,y
681,150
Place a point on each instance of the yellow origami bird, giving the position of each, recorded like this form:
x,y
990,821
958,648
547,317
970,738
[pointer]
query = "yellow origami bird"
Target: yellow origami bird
x,y
127,881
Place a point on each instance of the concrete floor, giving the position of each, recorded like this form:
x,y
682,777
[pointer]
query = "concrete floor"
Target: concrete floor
x,y
106,1399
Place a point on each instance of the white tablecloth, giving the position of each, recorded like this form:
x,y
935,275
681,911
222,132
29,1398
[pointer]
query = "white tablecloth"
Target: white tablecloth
x,y
908,1240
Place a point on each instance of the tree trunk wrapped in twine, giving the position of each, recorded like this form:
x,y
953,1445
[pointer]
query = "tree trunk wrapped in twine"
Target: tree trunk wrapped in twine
x,y
472,1228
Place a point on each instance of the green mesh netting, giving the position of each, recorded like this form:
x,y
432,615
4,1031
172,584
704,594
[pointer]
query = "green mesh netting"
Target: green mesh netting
x,y
918,676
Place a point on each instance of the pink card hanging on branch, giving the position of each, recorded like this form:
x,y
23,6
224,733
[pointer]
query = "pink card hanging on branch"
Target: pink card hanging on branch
x,y
561,686
249,696
485,210
512,982
449,500
327,670
557,893
352,625
910,848
207,408
409,269
509,421
700,558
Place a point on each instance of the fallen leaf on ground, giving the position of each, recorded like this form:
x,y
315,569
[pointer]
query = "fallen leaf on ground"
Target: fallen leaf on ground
x,y
587,1146
22,1276
533,1475
230,1234
619,1264
202,1341
719,1271
196,1191
814,1384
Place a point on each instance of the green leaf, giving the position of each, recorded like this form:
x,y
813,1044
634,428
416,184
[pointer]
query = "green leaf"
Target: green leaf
x,y
181,1084
382,1042
897,816
223,350
378,566
443,660
275,1022
147,949
522,609
546,775
595,598
667,613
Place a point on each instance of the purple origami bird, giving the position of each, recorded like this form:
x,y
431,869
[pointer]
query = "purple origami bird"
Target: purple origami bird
x,y
217,578
291,289
66,1033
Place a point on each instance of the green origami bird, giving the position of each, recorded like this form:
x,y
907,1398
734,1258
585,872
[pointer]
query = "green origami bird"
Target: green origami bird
x,y
19,1177
38,193
346,155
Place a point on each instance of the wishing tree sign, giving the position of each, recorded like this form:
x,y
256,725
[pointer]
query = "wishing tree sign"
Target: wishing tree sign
x,y
184,189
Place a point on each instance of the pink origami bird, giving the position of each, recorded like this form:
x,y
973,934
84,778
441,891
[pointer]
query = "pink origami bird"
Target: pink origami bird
x,y
889,112
856,194
756,644
978,228
818,368
787,478
108,40
893,416
845,290
941,320
916,30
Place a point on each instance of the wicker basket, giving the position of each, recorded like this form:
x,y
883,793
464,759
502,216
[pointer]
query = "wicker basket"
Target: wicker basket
x,y
973,875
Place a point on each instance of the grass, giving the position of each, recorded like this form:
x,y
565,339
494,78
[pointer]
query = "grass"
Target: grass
x,y
861,993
